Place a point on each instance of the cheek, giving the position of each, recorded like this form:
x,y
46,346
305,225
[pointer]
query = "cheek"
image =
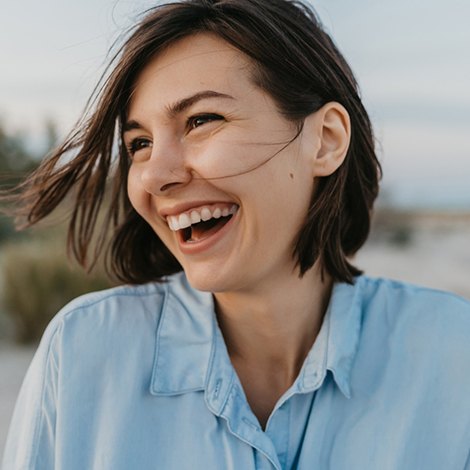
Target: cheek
x,y
142,202
224,158
139,198
137,195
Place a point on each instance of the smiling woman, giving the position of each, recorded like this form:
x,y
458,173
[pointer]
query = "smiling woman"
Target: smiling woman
x,y
242,186
189,164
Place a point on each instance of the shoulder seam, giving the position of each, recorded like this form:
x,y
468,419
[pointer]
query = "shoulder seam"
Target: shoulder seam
x,y
70,308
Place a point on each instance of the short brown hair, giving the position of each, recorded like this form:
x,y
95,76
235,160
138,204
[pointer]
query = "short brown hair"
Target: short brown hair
x,y
296,62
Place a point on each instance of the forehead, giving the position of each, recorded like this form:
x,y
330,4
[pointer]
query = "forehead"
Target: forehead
x,y
195,63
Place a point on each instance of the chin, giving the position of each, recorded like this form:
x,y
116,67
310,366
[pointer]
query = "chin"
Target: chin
x,y
205,283
208,280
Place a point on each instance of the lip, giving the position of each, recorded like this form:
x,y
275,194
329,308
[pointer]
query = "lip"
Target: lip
x,y
198,247
186,206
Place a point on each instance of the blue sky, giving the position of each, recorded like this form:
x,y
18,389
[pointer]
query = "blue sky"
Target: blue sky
x,y
410,56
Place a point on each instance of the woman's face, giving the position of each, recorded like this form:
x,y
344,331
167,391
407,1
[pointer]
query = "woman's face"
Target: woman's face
x,y
211,170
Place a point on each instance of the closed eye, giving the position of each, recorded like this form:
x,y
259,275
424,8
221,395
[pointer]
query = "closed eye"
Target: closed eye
x,y
196,121
137,144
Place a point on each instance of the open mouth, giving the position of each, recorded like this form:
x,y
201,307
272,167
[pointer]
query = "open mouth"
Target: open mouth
x,y
202,230
199,224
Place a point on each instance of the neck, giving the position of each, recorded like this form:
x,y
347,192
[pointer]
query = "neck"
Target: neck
x,y
273,328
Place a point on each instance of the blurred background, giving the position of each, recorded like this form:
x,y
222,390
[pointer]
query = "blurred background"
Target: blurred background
x,y
412,63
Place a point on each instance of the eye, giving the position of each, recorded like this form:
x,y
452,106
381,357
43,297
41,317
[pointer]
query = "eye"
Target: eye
x,y
197,121
137,144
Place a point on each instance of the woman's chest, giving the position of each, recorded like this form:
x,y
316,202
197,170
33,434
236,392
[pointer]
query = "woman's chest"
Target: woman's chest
x,y
325,431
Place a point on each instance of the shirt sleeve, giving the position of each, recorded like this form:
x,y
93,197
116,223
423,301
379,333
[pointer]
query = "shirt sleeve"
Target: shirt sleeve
x,y
31,438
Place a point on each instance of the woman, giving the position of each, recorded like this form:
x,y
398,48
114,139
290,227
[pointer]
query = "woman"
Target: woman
x,y
244,339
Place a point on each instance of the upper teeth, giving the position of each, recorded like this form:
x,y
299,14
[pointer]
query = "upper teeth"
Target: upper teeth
x,y
194,216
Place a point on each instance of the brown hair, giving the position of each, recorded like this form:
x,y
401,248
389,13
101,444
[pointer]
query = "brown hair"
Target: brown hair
x,y
296,63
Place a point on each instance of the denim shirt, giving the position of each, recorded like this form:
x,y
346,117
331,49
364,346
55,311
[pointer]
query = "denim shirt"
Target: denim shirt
x,y
139,378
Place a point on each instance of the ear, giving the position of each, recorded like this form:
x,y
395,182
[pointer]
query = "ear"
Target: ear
x,y
330,127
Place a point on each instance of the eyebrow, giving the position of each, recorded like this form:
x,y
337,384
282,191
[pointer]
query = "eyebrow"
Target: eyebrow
x,y
180,106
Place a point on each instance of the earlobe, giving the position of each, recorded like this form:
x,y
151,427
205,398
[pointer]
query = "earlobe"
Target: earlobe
x,y
332,129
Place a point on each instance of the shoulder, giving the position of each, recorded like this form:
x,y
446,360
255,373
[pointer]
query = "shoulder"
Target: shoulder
x,y
411,300
420,318
118,304
119,311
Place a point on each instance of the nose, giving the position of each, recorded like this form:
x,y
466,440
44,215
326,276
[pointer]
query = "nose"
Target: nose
x,y
165,170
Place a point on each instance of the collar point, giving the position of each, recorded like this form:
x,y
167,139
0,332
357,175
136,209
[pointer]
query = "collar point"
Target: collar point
x,y
343,384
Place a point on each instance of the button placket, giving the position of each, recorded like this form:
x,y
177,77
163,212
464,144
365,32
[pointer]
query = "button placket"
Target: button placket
x,y
278,430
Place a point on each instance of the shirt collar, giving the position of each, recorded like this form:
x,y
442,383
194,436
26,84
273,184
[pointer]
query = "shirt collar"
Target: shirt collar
x,y
188,337
337,342
184,338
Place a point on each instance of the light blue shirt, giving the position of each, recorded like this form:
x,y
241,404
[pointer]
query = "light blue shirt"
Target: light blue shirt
x,y
139,378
